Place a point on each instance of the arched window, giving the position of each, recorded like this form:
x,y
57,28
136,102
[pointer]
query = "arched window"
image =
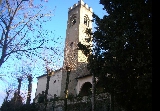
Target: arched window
x,y
86,89
73,20
86,20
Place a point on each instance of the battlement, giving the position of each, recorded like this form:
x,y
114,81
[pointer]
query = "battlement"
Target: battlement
x,y
81,3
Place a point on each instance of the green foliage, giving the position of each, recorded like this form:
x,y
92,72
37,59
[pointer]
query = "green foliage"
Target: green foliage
x,y
79,107
70,97
6,106
79,98
12,106
79,104
29,107
41,98
123,52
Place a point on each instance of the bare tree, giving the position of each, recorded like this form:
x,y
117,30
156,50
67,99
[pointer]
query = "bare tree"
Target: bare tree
x,y
21,28
29,89
19,84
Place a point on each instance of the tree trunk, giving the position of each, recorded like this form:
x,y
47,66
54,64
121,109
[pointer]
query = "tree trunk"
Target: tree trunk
x,y
47,87
19,85
112,101
93,92
66,88
29,90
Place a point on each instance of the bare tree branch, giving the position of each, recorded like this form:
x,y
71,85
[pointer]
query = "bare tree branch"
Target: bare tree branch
x,y
16,23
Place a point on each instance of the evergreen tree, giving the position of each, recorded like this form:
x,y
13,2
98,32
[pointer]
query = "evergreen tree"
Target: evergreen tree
x,y
123,53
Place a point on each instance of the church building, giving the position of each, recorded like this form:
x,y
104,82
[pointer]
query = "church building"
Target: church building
x,y
80,80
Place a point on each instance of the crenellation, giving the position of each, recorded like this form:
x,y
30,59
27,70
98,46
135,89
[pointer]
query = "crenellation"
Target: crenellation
x,y
90,9
83,4
74,5
70,8
86,6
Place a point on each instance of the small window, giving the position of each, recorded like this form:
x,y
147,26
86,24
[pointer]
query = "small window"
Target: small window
x,y
86,20
73,20
71,44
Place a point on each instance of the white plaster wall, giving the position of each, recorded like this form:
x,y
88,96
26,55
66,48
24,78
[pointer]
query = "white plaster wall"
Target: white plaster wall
x,y
81,81
41,86
55,83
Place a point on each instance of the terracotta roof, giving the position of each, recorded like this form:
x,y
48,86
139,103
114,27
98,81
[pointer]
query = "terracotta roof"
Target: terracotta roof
x,y
83,76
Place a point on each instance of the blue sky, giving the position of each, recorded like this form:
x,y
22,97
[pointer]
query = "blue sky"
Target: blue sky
x,y
58,26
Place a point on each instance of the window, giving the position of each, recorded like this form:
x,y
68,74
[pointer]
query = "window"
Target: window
x,y
86,20
73,20
71,44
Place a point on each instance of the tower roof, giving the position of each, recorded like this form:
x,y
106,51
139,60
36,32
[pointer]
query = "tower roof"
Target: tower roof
x,y
81,2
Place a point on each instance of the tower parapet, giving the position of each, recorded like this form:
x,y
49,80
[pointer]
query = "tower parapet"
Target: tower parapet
x,y
81,3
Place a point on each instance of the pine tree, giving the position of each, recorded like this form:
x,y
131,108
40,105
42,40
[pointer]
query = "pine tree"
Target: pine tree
x,y
123,53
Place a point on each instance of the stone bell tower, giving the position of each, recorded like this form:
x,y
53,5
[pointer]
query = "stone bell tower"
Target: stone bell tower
x,y
79,19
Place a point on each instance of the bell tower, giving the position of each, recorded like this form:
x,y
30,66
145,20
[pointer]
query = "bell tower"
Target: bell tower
x,y
79,19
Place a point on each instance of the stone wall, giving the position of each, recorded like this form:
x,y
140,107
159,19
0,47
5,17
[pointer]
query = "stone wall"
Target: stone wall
x,y
78,103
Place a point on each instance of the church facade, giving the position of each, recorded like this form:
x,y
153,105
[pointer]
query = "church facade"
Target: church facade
x,y
80,80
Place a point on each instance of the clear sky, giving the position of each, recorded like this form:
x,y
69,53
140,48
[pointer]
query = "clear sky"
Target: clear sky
x,y
58,25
